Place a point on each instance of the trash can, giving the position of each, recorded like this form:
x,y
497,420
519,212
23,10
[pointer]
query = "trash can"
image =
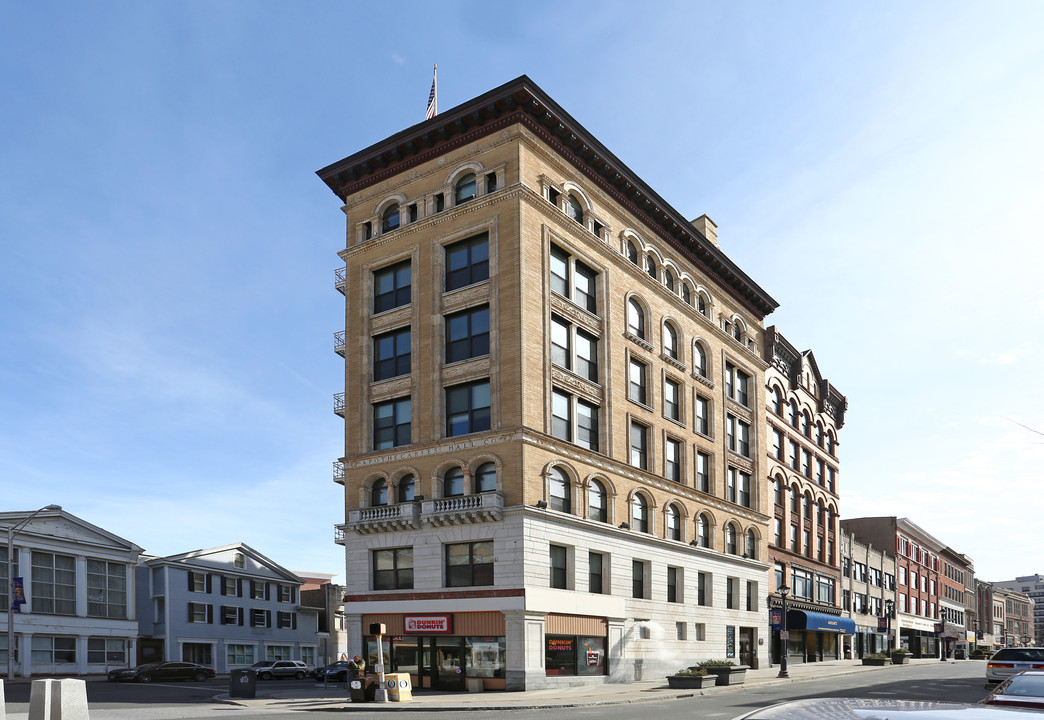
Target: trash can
x,y
360,689
399,687
242,683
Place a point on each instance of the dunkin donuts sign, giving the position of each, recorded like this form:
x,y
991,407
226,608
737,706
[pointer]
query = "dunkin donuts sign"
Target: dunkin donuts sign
x,y
427,624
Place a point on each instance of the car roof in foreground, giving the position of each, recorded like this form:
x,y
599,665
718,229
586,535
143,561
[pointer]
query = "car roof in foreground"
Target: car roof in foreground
x,y
875,709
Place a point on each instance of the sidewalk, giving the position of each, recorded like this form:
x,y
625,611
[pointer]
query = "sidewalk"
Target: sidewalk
x,y
336,698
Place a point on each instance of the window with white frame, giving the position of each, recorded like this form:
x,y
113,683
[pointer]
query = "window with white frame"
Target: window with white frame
x,y
106,589
737,435
106,651
738,486
638,381
672,399
737,384
277,652
50,650
239,654
701,414
53,584
702,471
672,460
639,445
572,279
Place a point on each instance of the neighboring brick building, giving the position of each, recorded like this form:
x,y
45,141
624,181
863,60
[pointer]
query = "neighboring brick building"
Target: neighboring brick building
x,y
1017,624
1033,587
804,414
917,582
867,593
957,600
554,457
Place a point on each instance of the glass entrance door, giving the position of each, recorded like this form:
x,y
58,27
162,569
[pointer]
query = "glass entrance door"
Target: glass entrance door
x,y
449,666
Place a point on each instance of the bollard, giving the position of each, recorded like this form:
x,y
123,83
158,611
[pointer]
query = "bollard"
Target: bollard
x,y
64,699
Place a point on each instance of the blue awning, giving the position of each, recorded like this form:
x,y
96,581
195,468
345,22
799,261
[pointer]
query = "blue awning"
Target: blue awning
x,y
806,620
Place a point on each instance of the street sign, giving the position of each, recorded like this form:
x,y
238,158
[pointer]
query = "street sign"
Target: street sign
x,y
784,634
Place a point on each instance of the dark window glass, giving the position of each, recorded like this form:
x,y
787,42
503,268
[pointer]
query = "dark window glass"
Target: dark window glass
x,y
391,287
639,446
467,262
574,209
561,416
587,355
640,513
469,564
486,478
559,491
467,334
672,584
390,219
586,425
379,493
632,253
393,569
594,573
466,189
453,482
391,354
467,408
637,579
391,424
407,488
596,502
558,567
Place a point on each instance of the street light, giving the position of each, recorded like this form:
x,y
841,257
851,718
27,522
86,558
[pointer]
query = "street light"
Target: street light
x,y
889,611
784,636
12,530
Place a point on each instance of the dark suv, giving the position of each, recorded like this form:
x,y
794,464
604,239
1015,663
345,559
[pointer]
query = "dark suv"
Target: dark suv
x,y
268,669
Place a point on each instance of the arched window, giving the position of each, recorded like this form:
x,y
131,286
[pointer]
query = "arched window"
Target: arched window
x,y
453,482
808,506
820,513
635,319
819,433
632,252
574,209
795,501
465,189
806,424
777,402
752,545
777,492
830,443
650,266
737,330
673,523
701,305
668,280
793,413
703,531
597,507
686,293
407,488
558,491
699,360
640,513
390,218
378,493
670,341
731,543
486,477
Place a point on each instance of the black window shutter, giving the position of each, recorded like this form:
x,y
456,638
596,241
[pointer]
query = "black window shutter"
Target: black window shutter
x,y
293,621
239,613
210,614
268,591
190,612
239,588
268,618
191,577
253,588
222,589
208,585
293,594
223,615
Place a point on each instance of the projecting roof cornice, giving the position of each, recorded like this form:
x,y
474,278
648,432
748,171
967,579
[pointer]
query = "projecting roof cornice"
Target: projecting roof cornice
x,y
522,101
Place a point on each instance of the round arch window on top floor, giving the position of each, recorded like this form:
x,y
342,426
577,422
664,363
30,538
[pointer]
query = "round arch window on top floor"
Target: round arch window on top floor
x,y
632,252
635,319
670,341
668,279
465,189
574,208
390,218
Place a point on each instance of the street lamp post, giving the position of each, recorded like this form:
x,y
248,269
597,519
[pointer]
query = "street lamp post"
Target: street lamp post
x,y
12,530
784,636
889,610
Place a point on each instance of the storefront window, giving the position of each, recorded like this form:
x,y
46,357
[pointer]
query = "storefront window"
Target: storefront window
x,y
486,656
574,655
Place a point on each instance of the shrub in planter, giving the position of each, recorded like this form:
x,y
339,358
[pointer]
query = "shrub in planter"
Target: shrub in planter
x,y
690,678
901,657
726,671
876,659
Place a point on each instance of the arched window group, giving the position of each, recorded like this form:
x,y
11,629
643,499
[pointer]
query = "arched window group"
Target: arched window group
x,y
453,481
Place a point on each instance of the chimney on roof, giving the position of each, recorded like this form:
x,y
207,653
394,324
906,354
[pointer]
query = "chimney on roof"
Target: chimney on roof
x,y
708,227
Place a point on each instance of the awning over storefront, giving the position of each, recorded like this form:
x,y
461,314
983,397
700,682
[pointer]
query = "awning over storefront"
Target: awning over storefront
x,y
807,620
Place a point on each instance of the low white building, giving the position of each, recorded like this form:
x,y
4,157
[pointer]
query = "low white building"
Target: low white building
x,y
78,616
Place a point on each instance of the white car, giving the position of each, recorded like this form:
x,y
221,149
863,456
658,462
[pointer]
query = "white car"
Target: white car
x,y
1011,661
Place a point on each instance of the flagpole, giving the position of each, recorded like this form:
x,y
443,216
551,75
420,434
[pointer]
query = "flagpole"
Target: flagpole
x,y
433,95
435,79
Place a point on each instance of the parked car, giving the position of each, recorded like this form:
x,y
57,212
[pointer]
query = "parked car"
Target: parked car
x,y
1023,690
862,708
268,669
162,671
334,672
1011,661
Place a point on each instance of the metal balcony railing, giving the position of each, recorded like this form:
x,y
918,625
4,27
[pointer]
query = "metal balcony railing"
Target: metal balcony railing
x,y
341,279
339,404
339,342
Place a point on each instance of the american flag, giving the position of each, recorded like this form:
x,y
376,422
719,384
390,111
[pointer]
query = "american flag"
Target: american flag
x,y
433,96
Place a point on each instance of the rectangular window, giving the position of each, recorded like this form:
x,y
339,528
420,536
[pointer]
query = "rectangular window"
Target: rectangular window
x,y
258,590
732,593
672,399
738,487
679,631
637,381
47,650
637,579
795,455
639,446
777,532
467,408
595,577
802,582
562,415
393,569
4,582
672,460
586,355
240,654
469,564
106,589
277,652
777,444
231,615
467,262
392,287
674,585
467,334
586,425
702,412
752,595
702,472
391,354
106,651
737,384
561,344
232,586
559,577
286,620
53,584
584,286
391,423
825,590
260,618
559,267
200,613
795,544
572,279
699,631
703,595
287,594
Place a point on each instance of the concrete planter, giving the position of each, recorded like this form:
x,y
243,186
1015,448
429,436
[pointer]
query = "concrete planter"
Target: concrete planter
x,y
690,682
900,659
876,661
727,674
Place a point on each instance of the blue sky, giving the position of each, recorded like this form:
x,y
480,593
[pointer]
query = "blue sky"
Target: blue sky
x,y
167,302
